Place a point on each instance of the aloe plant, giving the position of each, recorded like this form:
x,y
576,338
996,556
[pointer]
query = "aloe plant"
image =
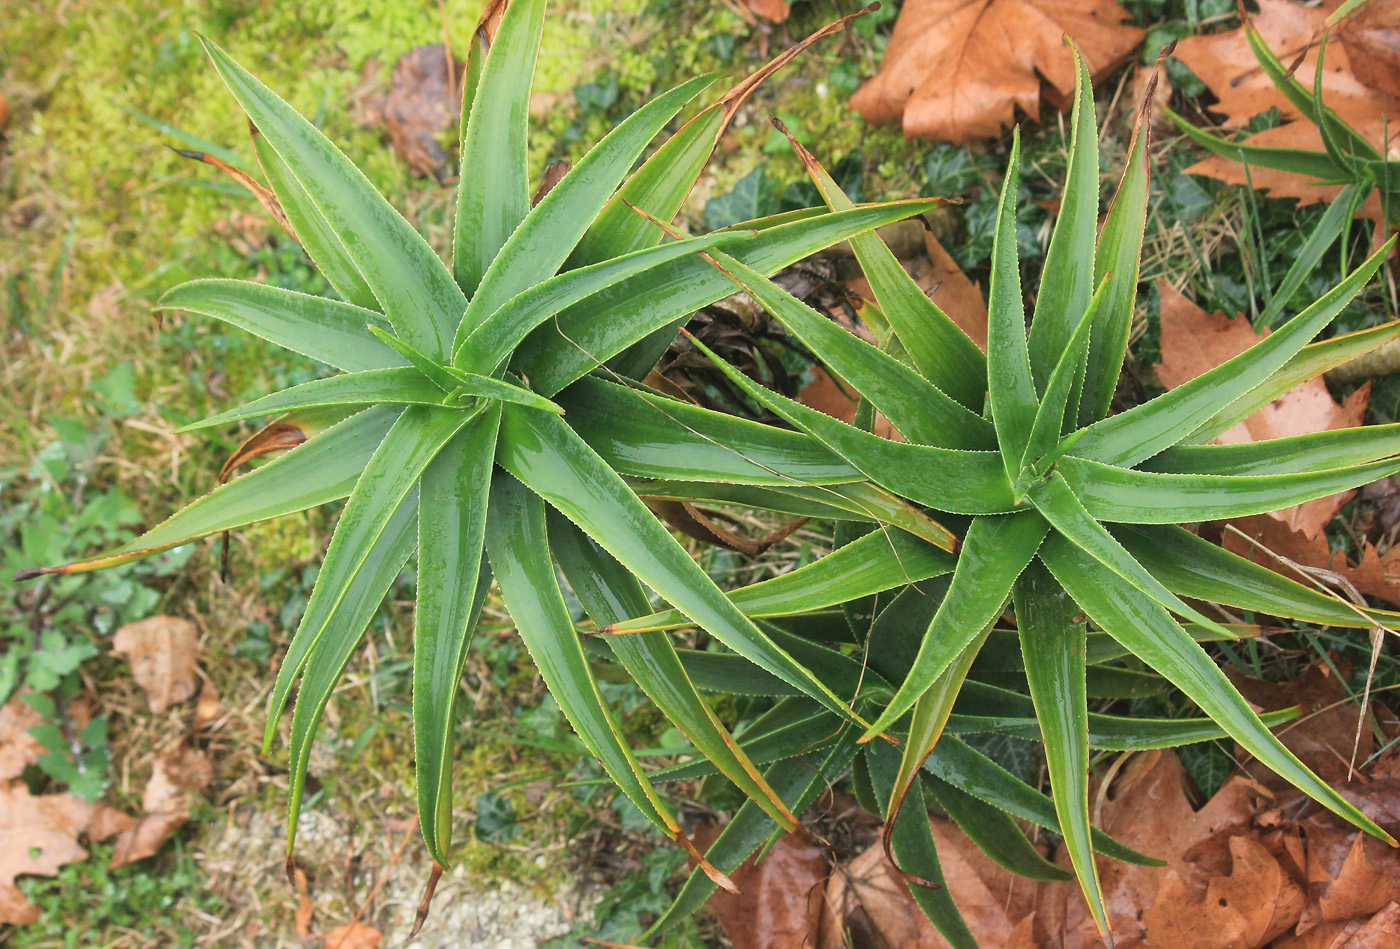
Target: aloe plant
x,y
1348,158
1068,521
464,411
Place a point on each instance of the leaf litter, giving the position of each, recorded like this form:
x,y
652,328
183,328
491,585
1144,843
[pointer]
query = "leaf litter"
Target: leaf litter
x,y
1254,866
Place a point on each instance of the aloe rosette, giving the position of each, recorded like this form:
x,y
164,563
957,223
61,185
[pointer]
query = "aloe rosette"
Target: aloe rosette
x,y
462,424
1068,521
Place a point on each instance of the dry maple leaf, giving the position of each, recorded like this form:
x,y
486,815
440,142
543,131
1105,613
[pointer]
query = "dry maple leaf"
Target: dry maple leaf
x,y
777,898
1194,341
1260,538
18,748
957,69
162,651
179,773
38,835
353,936
1363,87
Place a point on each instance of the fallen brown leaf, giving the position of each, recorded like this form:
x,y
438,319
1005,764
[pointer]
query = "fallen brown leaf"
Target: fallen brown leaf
x,y
1225,62
421,105
1374,575
353,936
38,835
957,69
18,748
954,292
777,897
162,652
179,773
1194,341
301,920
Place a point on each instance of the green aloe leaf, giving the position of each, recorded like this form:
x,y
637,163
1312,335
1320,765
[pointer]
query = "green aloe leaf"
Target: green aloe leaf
x,y
1057,503
492,342
878,561
412,285
1313,452
401,386
312,230
644,435
1053,642
916,407
1141,432
610,593
993,554
1068,281
786,741
911,840
1194,567
544,453
1129,496
1334,222
518,545
994,832
659,188
452,585
548,234
1060,391
586,335
379,564
326,330
415,439
1117,261
856,501
493,192
1298,161
1150,632
321,470
938,348
955,762
963,482
1012,395
1112,732
1312,360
